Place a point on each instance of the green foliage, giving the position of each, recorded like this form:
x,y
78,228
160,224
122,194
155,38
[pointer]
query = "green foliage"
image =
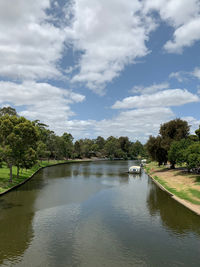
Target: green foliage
x,y
136,150
192,156
174,130
155,150
41,150
17,137
176,154
100,141
124,144
111,147
7,111
159,147
197,132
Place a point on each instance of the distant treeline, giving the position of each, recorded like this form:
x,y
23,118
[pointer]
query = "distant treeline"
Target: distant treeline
x,y
176,145
24,142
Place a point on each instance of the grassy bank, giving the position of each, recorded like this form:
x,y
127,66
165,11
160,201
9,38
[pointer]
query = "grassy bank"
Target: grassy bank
x,y
179,182
4,173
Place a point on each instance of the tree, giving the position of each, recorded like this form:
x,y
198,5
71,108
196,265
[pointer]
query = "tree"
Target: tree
x,y
8,111
124,144
193,138
17,137
94,149
111,146
176,154
136,150
155,150
67,145
41,150
100,141
173,130
77,149
197,132
192,156
25,136
42,130
86,147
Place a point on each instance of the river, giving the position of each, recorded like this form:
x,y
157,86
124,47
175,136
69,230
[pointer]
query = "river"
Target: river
x,y
95,214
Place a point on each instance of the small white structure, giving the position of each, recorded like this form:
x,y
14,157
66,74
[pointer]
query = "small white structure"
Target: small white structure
x,y
134,169
144,161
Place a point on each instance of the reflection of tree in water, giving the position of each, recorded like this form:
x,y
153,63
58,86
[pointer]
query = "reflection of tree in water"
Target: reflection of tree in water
x,y
58,171
174,216
16,215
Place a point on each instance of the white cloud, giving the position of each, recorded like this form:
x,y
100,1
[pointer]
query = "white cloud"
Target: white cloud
x,y
193,122
196,73
52,105
110,35
182,76
179,75
30,46
175,12
173,97
136,124
150,89
184,36
41,101
183,16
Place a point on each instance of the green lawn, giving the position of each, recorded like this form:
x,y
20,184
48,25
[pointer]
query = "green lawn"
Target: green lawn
x,y
182,193
4,174
187,193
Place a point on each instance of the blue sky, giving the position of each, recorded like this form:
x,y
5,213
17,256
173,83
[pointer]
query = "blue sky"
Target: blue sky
x,y
101,67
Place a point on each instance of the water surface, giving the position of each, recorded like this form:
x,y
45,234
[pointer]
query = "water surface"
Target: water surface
x,y
95,214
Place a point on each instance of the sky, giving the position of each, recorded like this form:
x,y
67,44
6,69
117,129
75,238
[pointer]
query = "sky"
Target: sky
x,y
101,67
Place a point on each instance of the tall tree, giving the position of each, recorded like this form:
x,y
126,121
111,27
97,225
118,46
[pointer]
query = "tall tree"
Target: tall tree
x,y
136,150
100,141
173,130
112,146
17,137
124,144
155,150
192,156
176,154
67,145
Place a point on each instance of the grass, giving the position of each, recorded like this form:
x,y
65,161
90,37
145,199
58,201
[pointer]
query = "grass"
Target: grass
x,y
182,193
4,174
190,194
195,193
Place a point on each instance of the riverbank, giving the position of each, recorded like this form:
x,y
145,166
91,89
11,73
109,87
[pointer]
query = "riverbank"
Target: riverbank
x,y
6,186
184,187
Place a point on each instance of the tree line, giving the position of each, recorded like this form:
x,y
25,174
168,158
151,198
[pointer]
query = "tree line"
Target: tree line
x,y
175,144
24,142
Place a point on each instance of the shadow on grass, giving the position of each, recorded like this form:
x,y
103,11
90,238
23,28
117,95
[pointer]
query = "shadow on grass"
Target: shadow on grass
x,y
184,172
161,170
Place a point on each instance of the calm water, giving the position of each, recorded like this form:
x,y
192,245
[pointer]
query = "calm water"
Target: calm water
x,y
94,214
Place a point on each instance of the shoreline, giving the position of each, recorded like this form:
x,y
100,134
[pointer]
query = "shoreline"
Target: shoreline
x,y
40,168
192,207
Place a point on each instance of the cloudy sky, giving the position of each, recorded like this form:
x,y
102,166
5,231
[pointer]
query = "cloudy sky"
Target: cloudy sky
x,y
101,67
